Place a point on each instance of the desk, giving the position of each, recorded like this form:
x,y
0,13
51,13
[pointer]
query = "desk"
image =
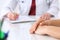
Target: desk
x,y
21,32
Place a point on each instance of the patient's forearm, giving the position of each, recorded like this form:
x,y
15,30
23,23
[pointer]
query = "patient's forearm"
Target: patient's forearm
x,y
54,31
54,22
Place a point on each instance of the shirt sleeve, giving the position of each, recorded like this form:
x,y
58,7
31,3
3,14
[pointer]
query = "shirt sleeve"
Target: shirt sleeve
x,y
8,8
53,9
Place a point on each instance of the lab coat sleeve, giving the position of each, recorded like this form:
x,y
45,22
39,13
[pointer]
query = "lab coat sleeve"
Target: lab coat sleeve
x,y
53,10
8,7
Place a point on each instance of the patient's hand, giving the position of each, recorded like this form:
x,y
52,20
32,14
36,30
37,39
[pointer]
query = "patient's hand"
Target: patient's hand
x,y
12,16
32,30
35,25
39,22
41,30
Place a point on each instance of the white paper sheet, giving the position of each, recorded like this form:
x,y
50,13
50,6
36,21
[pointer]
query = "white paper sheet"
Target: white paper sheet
x,y
23,19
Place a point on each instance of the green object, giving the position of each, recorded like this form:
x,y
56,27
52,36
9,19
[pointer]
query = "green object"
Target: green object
x,y
1,35
1,32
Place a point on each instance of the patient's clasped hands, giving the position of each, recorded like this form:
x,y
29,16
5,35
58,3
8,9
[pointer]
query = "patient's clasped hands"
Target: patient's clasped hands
x,y
49,27
37,25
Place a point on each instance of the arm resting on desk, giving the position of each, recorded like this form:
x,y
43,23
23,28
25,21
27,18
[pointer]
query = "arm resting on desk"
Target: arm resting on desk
x,y
51,22
52,31
50,27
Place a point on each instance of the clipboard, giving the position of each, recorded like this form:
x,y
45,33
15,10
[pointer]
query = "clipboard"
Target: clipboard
x,y
24,19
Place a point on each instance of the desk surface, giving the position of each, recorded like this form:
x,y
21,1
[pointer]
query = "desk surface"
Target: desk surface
x,y
21,32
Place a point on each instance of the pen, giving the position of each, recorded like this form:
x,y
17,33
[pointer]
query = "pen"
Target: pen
x,y
10,10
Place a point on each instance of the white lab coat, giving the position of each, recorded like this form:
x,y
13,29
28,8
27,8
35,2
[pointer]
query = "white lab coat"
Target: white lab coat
x,y
42,6
59,10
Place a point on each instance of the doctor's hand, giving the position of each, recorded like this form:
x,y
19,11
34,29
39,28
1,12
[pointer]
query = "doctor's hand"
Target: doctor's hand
x,y
12,16
46,16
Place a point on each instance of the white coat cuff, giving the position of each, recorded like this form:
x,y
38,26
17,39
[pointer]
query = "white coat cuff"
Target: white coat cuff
x,y
53,11
3,13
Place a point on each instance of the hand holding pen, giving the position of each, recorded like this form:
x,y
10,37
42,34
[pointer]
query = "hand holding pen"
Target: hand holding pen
x,y
12,15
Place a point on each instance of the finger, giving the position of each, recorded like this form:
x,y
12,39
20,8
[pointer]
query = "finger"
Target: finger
x,y
48,17
32,30
17,16
43,17
12,17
